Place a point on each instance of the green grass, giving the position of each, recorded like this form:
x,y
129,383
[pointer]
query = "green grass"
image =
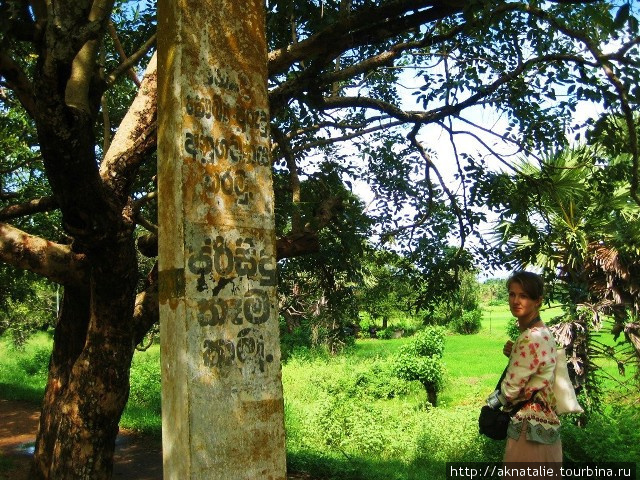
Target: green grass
x,y
23,371
349,417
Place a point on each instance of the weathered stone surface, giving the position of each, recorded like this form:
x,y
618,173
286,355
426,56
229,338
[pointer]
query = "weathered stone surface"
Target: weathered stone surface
x,y
222,393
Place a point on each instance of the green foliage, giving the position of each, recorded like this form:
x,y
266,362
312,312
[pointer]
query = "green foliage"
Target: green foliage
x,y
608,437
388,290
427,370
27,304
36,363
429,342
464,295
492,292
145,384
143,412
421,360
512,329
295,338
317,291
470,322
23,368
350,417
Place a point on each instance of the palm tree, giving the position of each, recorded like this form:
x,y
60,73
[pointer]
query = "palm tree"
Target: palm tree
x,y
571,215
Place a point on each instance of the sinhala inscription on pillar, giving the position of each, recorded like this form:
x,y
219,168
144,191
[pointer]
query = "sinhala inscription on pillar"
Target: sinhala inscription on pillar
x,y
223,412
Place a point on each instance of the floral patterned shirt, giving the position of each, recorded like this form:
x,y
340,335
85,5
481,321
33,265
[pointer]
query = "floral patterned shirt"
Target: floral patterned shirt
x,y
531,370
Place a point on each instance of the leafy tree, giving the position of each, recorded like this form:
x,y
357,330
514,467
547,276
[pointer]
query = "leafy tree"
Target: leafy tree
x,y
317,290
389,288
421,360
337,73
492,291
586,232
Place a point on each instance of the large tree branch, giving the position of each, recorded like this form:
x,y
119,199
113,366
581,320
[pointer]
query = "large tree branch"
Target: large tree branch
x,y
297,244
83,65
292,245
135,138
362,27
17,81
128,63
120,49
51,260
37,205
482,95
289,88
604,63
145,310
294,179
306,241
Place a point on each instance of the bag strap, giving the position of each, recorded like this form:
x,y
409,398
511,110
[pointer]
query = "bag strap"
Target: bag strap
x,y
519,405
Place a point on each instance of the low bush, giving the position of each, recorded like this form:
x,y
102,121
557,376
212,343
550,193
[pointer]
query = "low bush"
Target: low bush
x,y
615,436
145,388
429,342
470,322
421,360
512,329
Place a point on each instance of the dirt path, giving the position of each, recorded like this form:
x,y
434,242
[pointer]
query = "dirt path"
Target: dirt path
x,y
136,458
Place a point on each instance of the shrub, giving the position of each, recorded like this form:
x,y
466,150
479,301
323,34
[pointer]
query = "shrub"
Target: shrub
x,y
470,322
391,332
430,341
378,381
290,341
512,329
613,437
422,361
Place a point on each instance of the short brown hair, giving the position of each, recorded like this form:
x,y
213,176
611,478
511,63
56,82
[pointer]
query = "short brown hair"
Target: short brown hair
x,y
530,282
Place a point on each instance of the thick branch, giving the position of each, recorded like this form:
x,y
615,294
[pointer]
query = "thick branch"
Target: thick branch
x,y
444,111
116,42
51,260
362,27
145,310
294,180
18,82
135,137
38,205
292,245
297,244
285,90
82,67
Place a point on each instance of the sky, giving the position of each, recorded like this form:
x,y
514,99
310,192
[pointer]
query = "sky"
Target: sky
x,y
444,157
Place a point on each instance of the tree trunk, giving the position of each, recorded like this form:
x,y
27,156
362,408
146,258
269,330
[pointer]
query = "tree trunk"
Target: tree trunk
x,y
432,394
88,383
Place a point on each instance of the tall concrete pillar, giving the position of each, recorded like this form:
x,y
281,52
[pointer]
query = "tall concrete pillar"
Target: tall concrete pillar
x,y
222,406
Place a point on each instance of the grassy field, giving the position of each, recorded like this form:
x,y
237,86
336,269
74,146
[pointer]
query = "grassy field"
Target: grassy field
x,y
349,417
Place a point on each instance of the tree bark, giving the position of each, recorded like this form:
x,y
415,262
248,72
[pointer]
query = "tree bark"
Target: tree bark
x,y
88,383
432,394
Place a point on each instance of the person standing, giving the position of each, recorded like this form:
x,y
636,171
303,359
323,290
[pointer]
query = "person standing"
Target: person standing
x,y
533,434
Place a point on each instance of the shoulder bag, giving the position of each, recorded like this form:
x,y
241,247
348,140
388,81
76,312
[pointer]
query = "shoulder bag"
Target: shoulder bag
x,y
493,422
566,401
